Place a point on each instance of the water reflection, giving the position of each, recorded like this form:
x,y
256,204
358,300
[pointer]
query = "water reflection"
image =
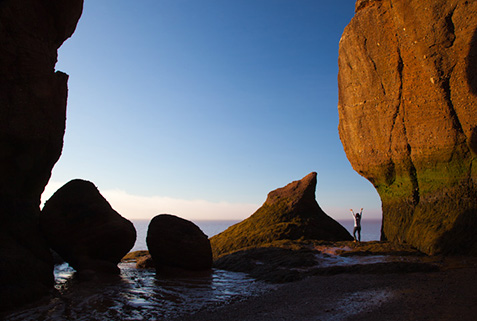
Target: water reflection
x,y
139,295
329,256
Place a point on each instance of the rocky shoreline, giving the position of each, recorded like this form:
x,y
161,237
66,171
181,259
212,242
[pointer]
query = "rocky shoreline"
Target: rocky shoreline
x,y
447,294
347,280
306,281
289,261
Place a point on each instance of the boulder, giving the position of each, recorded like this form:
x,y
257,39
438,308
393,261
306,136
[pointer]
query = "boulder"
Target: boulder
x,y
81,226
407,110
32,124
289,213
174,242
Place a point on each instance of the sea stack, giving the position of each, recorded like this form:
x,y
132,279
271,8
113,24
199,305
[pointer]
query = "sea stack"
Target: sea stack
x,y
289,213
82,227
408,117
33,112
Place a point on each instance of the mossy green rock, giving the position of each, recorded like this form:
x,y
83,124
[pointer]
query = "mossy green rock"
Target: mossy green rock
x,y
407,107
289,213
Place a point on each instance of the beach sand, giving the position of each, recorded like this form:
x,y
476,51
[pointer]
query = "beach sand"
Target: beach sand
x,y
449,294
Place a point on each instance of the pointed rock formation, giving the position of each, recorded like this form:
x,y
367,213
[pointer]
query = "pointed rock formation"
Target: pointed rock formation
x,y
174,242
32,123
289,213
81,226
407,108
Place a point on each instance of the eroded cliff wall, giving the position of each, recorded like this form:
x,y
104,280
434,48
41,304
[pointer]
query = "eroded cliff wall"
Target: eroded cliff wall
x,y
32,124
408,116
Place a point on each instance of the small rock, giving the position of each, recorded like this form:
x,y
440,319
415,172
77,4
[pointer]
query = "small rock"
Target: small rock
x,y
145,262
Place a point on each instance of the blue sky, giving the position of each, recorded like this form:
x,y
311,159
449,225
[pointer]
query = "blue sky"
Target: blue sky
x,y
200,108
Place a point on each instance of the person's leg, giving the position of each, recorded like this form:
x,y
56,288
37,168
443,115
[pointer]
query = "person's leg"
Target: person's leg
x,y
354,232
359,234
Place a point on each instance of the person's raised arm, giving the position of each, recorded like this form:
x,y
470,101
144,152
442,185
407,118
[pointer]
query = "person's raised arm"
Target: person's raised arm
x,y
361,212
352,213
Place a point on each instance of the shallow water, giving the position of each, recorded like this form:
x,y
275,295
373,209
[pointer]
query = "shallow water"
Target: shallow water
x,y
328,257
139,295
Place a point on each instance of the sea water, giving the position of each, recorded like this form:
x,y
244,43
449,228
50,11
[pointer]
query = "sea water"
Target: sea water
x,y
209,227
139,294
370,229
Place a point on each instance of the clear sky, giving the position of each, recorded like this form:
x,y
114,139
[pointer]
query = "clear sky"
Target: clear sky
x,y
200,108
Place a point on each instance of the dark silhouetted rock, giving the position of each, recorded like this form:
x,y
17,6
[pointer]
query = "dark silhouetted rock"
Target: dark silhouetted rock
x,y
178,243
289,213
32,124
407,108
295,261
271,264
81,226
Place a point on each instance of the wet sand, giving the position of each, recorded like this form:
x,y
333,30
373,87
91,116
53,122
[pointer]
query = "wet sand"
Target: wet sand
x,y
450,294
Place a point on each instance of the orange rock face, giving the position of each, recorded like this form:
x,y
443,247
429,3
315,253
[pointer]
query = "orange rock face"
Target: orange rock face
x,y
408,116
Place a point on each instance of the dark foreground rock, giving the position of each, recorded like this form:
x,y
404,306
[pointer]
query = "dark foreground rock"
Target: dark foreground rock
x,y
289,213
83,228
271,264
32,124
292,261
174,242
407,108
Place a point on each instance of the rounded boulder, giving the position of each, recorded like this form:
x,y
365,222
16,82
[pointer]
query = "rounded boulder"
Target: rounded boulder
x,y
174,242
83,228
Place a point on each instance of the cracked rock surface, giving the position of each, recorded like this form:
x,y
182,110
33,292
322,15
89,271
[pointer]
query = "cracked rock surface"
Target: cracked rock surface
x,y
407,109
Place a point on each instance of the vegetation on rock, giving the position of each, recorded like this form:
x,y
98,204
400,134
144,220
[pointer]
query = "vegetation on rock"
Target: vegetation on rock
x,y
289,213
407,106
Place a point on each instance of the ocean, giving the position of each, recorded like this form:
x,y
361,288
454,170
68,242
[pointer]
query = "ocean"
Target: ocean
x,y
370,229
210,228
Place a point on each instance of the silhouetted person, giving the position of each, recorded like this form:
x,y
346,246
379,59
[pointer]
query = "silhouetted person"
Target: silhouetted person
x,y
357,224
